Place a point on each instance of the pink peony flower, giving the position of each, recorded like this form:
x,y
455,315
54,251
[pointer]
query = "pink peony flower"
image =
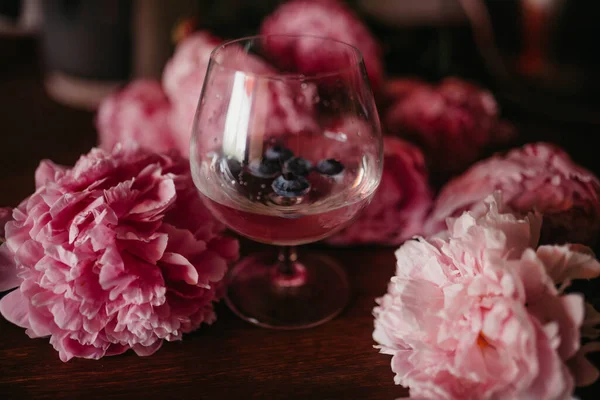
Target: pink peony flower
x,y
138,113
278,107
183,77
324,18
536,177
475,313
113,254
401,203
454,121
396,89
184,73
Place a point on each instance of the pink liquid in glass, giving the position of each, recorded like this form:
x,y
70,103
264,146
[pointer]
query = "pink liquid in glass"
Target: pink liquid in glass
x,y
248,204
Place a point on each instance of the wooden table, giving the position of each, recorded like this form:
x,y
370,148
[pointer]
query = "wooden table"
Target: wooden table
x,y
230,359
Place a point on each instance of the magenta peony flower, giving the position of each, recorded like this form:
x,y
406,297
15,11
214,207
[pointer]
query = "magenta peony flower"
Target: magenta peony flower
x,y
536,177
324,18
454,121
475,313
401,203
113,254
138,113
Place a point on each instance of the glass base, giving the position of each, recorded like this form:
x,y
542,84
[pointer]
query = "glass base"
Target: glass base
x,y
311,293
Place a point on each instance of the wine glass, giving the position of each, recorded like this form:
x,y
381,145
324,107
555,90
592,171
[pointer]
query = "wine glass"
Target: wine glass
x,y
286,151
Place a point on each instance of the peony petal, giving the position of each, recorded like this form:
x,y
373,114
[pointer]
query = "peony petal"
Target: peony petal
x,y
149,249
210,266
574,312
48,172
116,348
29,253
183,241
568,262
5,216
68,348
65,315
8,269
16,236
178,268
143,283
226,247
156,202
14,307
144,351
533,274
553,380
41,323
589,328
584,372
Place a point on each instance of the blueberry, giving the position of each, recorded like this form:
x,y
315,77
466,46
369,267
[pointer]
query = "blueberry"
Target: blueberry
x,y
278,153
290,186
297,166
234,167
265,168
330,167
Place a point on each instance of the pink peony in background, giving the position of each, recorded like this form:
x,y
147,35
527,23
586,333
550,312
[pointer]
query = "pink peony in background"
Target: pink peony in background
x,y
115,253
278,104
160,119
139,113
323,18
396,89
401,203
183,77
454,121
475,312
538,177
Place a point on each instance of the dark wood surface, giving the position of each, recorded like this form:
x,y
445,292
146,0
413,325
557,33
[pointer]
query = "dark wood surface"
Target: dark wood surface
x,y
230,359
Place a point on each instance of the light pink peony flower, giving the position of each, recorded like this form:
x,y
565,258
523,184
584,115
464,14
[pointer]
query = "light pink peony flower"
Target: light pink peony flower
x,y
138,113
113,254
324,18
454,121
536,177
475,313
401,203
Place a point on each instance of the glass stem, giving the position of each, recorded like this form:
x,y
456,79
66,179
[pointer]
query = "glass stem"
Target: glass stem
x,y
286,259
